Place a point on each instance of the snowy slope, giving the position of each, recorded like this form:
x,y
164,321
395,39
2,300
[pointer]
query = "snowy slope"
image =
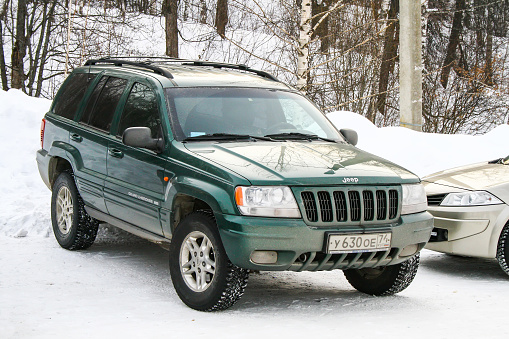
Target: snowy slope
x,y
120,287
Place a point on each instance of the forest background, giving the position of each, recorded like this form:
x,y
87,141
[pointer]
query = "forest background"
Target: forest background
x,y
342,54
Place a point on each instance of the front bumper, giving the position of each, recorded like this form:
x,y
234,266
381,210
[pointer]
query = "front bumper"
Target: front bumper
x,y
300,247
469,231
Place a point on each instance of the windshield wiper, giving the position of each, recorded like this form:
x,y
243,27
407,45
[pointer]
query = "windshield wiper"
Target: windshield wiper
x,y
298,136
226,136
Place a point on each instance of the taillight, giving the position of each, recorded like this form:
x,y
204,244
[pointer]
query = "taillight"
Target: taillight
x,y
43,125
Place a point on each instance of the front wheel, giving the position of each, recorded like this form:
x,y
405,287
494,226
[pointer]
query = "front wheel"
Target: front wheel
x,y
387,280
503,249
203,276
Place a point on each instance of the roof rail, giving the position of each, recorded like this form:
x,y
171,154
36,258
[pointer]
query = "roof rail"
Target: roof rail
x,y
118,62
232,66
151,62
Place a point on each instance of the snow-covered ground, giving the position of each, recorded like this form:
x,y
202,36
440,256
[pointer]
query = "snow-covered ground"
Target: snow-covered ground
x,y
121,287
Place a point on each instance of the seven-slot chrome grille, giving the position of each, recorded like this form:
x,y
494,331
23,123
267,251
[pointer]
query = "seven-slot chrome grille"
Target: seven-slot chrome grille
x,y
349,206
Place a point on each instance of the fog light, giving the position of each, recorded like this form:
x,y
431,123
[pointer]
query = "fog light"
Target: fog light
x,y
264,257
409,250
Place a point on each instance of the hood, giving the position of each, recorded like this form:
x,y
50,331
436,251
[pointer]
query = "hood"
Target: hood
x,y
480,176
302,163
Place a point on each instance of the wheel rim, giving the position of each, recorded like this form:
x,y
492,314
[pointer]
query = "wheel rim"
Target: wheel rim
x,y
64,210
197,261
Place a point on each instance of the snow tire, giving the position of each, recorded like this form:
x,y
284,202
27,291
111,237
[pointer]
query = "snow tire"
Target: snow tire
x,y
226,283
74,229
382,281
503,249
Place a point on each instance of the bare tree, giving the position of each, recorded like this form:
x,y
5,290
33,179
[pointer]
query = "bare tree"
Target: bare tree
x,y
20,45
3,66
221,17
170,12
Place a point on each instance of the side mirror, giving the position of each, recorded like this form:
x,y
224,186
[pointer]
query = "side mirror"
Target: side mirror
x,y
142,137
350,135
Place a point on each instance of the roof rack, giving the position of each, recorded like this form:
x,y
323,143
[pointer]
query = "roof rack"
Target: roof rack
x,y
151,62
118,62
232,66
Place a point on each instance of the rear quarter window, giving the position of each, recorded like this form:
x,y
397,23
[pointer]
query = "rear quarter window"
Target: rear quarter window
x,y
72,94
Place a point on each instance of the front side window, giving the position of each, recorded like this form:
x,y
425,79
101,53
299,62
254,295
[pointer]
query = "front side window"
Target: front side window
x,y
72,93
141,110
248,111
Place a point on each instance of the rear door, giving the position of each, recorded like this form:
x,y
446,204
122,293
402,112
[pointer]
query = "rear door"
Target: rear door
x,y
90,138
135,185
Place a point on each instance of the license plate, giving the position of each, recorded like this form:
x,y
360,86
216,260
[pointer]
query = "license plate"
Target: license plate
x,y
354,243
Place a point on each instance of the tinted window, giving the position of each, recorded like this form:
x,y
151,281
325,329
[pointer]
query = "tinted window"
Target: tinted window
x,y
85,118
72,93
141,110
106,103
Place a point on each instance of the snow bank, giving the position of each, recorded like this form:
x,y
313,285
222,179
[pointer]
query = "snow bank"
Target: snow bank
x,y
25,199
424,153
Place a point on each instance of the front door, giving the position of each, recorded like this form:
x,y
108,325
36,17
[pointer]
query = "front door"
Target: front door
x,y
134,188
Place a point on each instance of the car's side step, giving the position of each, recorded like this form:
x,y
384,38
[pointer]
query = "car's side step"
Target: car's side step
x,y
127,227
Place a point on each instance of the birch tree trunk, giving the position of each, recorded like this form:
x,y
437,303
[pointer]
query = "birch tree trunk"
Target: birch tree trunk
x,y
303,49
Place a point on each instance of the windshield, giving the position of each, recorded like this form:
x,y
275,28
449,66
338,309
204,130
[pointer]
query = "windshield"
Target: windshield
x,y
222,112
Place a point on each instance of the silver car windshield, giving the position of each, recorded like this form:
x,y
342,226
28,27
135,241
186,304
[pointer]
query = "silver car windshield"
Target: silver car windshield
x,y
198,112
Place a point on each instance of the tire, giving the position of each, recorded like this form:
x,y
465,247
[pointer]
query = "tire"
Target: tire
x,y
74,229
503,249
201,272
386,280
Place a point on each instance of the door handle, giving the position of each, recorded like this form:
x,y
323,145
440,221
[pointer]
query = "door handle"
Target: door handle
x,y
116,153
76,137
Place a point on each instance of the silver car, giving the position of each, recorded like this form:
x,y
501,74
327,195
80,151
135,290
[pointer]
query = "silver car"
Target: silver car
x,y
471,209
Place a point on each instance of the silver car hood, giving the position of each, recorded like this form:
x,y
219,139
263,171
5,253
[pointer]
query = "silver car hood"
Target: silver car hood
x,y
481,176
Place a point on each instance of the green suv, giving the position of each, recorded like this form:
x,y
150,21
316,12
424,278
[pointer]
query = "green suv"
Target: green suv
x,y
232,170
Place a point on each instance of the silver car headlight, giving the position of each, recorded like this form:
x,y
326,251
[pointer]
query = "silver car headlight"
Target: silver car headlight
x,y
267,201
476,198
414,199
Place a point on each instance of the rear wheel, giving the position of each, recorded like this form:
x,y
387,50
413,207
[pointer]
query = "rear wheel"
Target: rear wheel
x,y
503,249
201,272
74,229
387,280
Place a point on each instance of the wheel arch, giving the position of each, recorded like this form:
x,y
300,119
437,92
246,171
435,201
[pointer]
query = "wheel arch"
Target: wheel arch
x,y
56,166
193,195
63,157
501,221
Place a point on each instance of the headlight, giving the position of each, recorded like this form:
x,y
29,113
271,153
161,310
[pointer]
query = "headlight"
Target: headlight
x,y
414,199
267,201
477,198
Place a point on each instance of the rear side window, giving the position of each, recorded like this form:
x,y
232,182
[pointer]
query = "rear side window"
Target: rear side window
x,y
72,94
99,112
85,118
141,110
